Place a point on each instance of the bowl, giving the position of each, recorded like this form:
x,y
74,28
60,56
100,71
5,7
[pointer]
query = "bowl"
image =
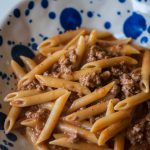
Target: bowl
x,y
31,22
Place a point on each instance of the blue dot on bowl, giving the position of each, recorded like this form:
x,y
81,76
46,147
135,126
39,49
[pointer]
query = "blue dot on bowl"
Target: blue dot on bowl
x,y
52,15
121,1
21,50
31,5
90,14
70,18
44,3
11,137
134,25
17,13
144,40
107,25
1,40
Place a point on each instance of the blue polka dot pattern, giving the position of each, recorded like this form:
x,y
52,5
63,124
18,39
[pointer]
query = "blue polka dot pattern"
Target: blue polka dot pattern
x,y
90,14
144,40
70,19
134,25
19,50
44,3
31,5
52,15
107,25
2,119
121,1
1,40
17,13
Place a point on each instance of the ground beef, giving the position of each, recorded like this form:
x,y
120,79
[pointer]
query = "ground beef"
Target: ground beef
x,y
35,85
96,53
116,88
128,79
65,64
139,132
40,114
91,80
148,104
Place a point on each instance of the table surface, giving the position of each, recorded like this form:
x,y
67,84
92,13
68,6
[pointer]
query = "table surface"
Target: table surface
x,y
6,6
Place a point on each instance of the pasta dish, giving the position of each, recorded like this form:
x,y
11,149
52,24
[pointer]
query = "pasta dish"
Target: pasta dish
x,y
83,90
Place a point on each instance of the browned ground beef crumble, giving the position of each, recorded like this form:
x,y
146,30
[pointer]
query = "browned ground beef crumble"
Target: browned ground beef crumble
x,y
126,77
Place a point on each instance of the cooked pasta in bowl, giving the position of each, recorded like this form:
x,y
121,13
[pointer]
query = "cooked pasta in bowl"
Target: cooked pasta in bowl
x,y
75,75
84,89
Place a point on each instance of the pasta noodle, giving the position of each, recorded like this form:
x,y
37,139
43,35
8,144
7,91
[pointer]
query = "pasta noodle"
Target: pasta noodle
x,y
119,142
38,99
87,112
111,131
46,51
92,38
53,118
104,63
77,74
64,142
61,83
145,72
60,39
11,118
71,129
29,122
110,119
42,147
110,106
80,50
18,70
83,101
41,68
14,95
28,62
132,101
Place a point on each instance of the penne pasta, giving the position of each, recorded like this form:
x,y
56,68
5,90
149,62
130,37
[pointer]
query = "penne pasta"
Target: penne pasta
x,y
42,147
110,119
53,118
17,69
38,99
132,101
86,125
129,50
65,142
110,106
103,34
46,51
86,113
11,118
29,63
90,98
92,38
48,105
105,63
71,129
11,96
60,39
14,112
29,123
40,68
111,131
77,74
80,50
59,135
114,42
61,83
145,72
119,142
